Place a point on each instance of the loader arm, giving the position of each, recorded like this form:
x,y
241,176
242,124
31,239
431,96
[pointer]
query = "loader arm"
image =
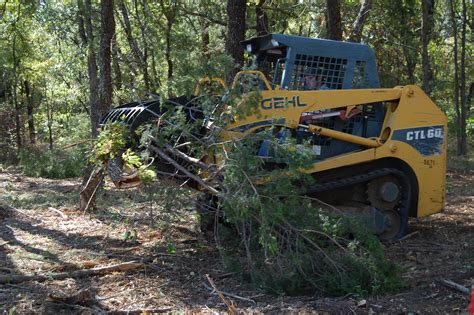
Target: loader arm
x,y
288,106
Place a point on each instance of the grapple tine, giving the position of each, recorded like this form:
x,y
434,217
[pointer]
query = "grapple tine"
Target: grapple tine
x,y
116,116
133,112
106,118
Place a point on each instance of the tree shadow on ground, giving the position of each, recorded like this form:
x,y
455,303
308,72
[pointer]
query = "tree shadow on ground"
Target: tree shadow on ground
x,y
178,278
37,292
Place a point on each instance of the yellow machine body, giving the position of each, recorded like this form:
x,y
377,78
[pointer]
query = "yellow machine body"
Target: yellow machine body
x,y
414,132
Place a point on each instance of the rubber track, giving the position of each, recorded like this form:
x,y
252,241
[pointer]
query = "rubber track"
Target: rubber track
x,y
361,178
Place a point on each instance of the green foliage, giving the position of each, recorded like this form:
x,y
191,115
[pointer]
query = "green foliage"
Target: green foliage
x,y
53,57
288,243
110,142
55,163
133,161
115,141
69,154
170,248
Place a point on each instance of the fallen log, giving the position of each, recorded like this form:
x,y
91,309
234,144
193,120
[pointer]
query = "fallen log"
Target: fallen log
x,y
77,298
131,265
455,286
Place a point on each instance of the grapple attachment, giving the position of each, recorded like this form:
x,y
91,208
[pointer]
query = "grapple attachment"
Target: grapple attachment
x,y
133,114
138,113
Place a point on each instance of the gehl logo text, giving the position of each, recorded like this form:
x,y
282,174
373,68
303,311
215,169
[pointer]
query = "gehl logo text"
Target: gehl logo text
x,y
279,102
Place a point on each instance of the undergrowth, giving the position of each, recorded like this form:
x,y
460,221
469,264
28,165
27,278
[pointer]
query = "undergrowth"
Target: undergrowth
x,y
56,163
70,139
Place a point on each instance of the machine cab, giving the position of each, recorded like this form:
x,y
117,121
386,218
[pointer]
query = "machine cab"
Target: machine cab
x,y
286,61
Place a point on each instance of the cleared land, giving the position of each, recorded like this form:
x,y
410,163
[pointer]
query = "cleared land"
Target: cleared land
x,y
41,233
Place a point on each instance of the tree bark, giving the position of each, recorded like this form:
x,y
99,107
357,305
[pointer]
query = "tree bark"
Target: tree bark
x,y
427,8
142,19
358,25
169,61
169,11
262,18
333,25
456,79
29,110
116,64
462,84
136,51
410,63
105,56
205,39
87,35
154,73
49,114
126,266
236,10
15,92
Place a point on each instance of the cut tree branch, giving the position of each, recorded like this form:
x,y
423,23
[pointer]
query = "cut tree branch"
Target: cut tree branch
x,y
455,286
131,265
194,177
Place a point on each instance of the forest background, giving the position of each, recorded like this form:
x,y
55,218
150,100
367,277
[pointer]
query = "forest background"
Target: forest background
x,y
64,63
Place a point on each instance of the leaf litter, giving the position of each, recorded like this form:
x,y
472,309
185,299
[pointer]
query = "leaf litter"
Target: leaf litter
x,y
42,233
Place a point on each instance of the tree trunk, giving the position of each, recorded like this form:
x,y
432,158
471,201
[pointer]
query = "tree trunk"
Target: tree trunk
x,y
169,61
105,58
410,63
456,78
87,35
49,114
29,109
15,92
116,64
236,10
333,25
427,8
137,53
462,84
205,39
154,73
143,30
262,18
358,25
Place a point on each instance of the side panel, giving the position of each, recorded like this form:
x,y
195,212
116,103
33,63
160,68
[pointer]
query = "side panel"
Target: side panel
x,y
418,136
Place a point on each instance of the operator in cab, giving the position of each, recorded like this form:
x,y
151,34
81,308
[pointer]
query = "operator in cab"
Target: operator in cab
x,y
313,80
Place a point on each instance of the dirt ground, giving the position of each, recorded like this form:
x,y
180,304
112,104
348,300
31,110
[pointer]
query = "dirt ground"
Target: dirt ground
x,y
41,233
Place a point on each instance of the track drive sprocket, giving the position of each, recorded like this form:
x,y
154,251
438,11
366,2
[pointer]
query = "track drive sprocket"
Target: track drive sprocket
x,y
384,193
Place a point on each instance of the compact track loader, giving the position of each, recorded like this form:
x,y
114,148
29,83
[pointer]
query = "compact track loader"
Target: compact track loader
x,y
378,152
